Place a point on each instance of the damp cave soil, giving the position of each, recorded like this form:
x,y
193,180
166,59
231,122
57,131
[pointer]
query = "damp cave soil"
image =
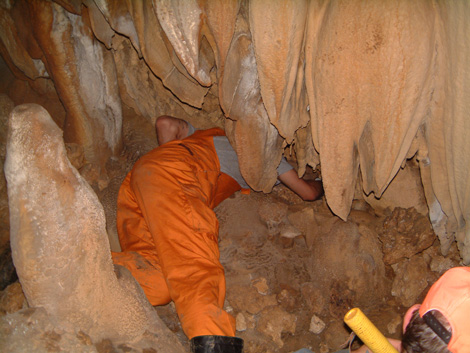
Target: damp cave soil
x,y
266,276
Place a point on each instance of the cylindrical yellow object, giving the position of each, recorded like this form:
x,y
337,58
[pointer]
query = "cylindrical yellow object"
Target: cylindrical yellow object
x,y
367,332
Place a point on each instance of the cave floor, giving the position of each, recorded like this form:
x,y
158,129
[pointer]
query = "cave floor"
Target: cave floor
x,y
278,300
293,269
287,293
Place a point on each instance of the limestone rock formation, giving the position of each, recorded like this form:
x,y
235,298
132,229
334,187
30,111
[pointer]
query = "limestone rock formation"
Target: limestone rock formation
x,y
348,86
405,233
59,242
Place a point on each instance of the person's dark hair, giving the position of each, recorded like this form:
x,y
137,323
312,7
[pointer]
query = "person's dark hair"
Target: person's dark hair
x,y
420,338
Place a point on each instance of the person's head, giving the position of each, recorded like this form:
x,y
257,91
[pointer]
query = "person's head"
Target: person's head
x,y
441,323
420,338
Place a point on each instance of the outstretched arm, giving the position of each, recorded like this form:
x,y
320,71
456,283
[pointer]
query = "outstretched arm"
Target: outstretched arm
x,y
169,128
308,190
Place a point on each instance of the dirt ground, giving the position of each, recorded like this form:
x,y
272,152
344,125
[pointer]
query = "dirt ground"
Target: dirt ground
x,y
293,269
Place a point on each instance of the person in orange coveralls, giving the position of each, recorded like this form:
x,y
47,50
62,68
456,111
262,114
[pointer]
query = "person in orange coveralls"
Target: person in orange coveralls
x,y
168,230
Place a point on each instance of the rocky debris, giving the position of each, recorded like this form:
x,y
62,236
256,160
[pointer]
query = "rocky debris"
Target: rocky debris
x,y
274,321
273,215
332,341
249,299
283,194
12,299
288,298
354,263
289,235
324,281
289,231
35,330
240,322
409,282
440,264
316,325
310,221
405,233
313,297
303,219
261,285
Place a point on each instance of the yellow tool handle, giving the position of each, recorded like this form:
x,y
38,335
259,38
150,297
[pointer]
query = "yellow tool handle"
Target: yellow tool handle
x,y
367,332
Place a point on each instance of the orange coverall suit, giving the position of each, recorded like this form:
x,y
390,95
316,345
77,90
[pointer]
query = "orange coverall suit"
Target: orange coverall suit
x,y
169,232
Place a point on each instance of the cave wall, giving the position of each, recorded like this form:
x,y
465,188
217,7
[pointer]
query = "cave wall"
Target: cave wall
x,y
352,87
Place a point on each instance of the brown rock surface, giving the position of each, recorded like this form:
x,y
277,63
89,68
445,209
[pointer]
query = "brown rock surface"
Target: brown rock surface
x,y
274,321
409,281
405,233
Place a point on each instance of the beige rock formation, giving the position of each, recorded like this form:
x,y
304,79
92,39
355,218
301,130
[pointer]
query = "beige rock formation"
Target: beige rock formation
x,y
84,74
279,49
59,243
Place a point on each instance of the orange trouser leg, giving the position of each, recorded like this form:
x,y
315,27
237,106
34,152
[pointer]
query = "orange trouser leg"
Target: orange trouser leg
x,y
185,234
139,254
147,273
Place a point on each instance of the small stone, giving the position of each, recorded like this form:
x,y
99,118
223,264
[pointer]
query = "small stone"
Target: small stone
x,y
316,325
240,322
289,231
302,220
261,285
12,299
84,338
227,307
287,298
